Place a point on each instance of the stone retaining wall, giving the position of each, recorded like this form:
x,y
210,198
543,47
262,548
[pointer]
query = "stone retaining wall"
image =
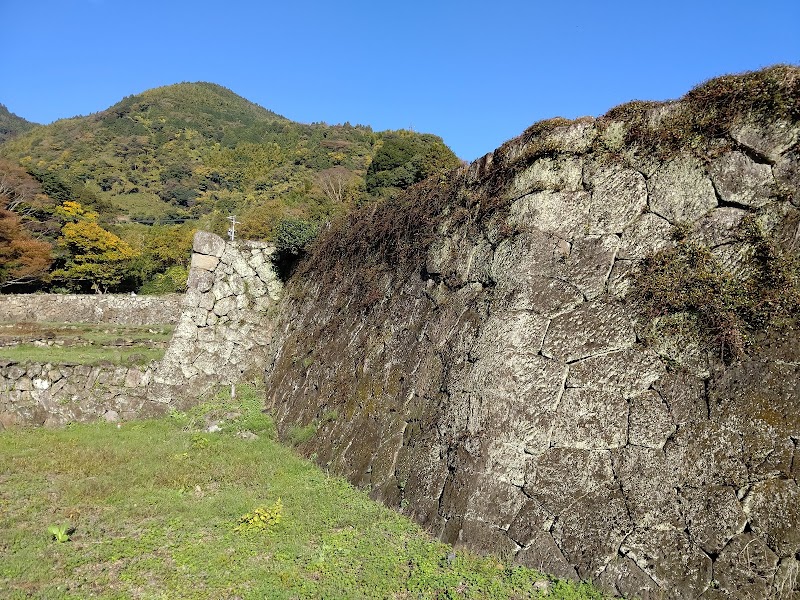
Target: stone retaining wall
x,y
47,394
506,393
90,308
221,338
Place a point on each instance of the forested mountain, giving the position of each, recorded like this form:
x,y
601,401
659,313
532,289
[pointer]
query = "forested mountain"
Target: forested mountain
x,y
11,124
195,153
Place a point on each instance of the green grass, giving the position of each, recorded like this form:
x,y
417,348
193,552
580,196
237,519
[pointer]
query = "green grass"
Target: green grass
x,y
84,343
153,508
72,355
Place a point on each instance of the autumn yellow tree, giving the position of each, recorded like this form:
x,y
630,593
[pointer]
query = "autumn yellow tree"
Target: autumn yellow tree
x,y
93,258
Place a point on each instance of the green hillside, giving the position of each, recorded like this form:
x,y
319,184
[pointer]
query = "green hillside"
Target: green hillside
x,y
197,152
11,125
184,150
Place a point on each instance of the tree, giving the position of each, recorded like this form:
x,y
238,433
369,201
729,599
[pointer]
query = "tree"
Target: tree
x,y
163,263
94,257
292,236
340,185
405,158
22,258
17,186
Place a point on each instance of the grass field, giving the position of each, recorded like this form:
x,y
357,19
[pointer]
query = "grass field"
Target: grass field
x,y
83,343
164,509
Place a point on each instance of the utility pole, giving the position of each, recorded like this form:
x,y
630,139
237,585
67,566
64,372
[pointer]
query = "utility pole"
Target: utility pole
x,y
232,228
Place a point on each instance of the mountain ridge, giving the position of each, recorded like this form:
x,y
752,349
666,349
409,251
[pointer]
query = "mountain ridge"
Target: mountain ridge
x,y
12,125
184,150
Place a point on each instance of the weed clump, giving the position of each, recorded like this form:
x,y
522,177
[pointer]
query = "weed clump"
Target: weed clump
x,y
764,96
300,435
709,111
689,279
727,308
263,518
60,533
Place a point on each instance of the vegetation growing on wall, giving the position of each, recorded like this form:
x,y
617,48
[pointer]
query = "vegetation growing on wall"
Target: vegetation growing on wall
x,y
727,308
709,111
392,234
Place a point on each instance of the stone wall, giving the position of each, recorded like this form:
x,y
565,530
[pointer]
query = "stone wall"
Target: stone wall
x,y
221,337
500,390
90,308
224,331
46,394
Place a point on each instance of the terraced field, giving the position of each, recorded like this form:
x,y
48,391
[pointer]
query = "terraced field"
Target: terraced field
x,y
83,343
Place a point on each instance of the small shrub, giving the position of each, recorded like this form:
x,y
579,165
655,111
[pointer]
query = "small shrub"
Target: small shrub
x,y
292,236
262,518
199,442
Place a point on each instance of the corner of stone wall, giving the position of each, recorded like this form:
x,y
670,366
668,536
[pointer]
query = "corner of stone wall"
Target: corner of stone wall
x,y
224,329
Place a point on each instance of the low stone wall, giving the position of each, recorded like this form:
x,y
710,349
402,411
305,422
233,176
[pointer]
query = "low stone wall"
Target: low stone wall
x,y
47,394
221,337
90,308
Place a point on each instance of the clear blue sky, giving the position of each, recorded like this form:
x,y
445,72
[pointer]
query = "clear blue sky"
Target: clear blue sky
x,y
476,73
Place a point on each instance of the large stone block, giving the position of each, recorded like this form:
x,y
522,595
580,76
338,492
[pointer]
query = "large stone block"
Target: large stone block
x,y
561,174
593,328
713,515
650,424
746,568
649,482
770,140
208,244
565,214
224,306
589,264
200,279
649,233
669,558
681,192
773,510
619,197
740,180
631,372
204,262
590,420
